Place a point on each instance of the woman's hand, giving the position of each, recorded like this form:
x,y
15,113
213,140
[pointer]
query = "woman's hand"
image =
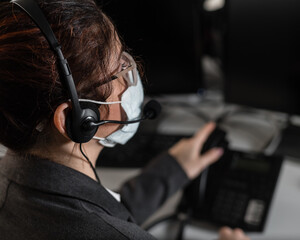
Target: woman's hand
x,y
227,233
187,152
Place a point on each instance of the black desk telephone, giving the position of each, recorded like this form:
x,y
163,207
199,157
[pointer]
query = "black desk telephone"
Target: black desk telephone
x,y
235,191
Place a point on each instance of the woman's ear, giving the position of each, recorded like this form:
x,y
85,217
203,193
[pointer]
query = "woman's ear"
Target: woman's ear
x,y
59,118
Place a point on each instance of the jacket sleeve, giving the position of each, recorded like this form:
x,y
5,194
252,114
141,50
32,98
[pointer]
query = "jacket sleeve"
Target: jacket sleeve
x,y
146,192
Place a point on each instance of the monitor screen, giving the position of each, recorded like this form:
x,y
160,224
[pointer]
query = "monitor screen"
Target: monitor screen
x,y
262,54
166,36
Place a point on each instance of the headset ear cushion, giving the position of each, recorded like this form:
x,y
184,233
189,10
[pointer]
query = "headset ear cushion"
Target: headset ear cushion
x,y
78,134
94,107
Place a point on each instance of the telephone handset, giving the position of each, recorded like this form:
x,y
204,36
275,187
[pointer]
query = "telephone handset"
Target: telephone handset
x,y
235,191
216,139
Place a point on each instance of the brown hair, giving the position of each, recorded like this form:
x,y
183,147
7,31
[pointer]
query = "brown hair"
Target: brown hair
x,y
30,86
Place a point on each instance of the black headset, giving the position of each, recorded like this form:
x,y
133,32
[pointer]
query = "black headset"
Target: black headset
x,y
83,120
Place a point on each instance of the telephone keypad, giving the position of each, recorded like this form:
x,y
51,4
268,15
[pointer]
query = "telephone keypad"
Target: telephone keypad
x,y
229,206
241,199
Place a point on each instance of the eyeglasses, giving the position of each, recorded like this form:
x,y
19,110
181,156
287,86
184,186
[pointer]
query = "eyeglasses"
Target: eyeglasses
x,y
129,71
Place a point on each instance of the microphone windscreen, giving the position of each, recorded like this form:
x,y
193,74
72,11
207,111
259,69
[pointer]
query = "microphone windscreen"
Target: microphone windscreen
x,y
152,109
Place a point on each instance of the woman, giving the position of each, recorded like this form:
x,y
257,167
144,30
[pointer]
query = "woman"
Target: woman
x,y
48,184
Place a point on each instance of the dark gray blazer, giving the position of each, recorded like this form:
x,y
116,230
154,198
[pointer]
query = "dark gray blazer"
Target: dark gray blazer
x,y
40,199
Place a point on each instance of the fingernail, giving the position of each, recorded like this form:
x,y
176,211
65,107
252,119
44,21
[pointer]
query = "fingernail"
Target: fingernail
x,y
220,151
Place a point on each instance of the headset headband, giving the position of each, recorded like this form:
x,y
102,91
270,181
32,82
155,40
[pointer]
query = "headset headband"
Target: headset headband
x,y
79,116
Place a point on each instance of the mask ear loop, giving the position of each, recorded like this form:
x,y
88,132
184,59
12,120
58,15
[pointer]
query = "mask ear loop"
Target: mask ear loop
x,y
98,138
98,102
107,142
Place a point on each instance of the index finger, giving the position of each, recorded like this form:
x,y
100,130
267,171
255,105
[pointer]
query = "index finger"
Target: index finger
x,y
202,135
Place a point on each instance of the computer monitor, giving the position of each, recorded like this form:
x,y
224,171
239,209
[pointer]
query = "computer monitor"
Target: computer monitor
x,y
262,54
166,36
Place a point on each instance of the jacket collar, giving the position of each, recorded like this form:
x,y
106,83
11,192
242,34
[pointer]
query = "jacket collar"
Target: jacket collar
x,y
48,176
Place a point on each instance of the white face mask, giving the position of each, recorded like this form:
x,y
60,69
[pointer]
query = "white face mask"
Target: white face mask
x,y
131,102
